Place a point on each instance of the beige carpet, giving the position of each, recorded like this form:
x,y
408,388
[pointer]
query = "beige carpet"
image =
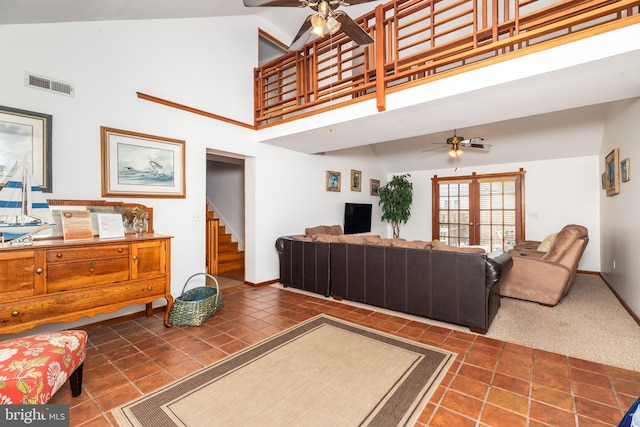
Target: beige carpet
x,y
590,323
323,372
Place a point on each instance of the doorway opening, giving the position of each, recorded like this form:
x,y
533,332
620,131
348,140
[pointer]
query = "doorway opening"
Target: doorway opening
x,y
225,224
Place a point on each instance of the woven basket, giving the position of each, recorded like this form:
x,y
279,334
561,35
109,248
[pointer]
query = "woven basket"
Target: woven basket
x,y
195,306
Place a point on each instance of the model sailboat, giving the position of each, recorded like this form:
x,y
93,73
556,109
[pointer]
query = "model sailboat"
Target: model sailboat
x,y
23,208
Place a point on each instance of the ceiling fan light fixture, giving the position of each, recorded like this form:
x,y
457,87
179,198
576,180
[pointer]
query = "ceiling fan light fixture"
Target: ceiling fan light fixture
x,y
318,22
333,24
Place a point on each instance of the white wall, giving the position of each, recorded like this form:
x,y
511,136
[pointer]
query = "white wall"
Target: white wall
x,y
225,189
558,192
620,231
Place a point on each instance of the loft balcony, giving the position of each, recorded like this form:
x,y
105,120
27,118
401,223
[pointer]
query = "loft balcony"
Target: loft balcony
x,y
417,42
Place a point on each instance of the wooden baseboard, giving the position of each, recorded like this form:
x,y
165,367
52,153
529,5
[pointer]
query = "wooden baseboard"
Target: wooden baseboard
x,y
626,307
267,283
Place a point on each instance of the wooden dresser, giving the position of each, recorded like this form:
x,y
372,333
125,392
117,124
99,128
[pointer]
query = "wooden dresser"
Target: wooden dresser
x,y
62,281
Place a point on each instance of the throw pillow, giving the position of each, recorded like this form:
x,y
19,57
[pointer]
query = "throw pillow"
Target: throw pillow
x,y
546,244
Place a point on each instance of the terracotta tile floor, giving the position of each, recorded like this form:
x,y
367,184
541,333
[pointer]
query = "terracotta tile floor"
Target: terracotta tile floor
x,y
491,383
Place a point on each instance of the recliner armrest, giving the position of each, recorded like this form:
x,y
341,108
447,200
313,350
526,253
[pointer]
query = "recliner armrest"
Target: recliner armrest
x,y
497,265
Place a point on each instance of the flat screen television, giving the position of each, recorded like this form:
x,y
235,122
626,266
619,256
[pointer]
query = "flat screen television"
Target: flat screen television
x,y
357,218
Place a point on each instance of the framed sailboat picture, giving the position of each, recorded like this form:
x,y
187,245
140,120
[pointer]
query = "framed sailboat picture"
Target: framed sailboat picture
x,y
25,136
139,165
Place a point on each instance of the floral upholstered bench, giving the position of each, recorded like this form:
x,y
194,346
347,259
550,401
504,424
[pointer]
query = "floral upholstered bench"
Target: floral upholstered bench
x,y
33,368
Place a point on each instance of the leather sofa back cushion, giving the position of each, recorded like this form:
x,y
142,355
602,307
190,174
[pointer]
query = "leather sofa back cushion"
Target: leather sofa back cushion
x,y
437,245
323,229
565,243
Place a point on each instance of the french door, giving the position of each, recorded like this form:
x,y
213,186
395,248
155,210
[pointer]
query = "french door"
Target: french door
x,y
479,210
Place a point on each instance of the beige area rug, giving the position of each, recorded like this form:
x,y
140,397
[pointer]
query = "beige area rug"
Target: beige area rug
x,y
322,372
590,323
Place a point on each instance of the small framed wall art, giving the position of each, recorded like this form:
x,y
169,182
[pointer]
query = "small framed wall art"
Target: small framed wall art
x,y
374,185
612,173
139,165
333,181
625,169
356,178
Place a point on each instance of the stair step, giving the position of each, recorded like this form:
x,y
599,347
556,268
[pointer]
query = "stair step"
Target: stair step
x,y
230,257
230,266
224,238
227,247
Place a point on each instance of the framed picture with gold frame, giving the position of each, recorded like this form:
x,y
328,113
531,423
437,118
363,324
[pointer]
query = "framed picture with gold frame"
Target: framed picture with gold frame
x,y
612,173
374,185
356,179
139,165
625,170
333,181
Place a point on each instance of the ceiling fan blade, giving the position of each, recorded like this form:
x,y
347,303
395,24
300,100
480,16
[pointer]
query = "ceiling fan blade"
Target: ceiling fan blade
x,y
303,37
434,148
468,142
349,2
352,29
272,3
485,146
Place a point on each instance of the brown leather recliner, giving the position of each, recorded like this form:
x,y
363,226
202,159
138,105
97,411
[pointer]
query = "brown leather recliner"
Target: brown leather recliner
x,y
545,277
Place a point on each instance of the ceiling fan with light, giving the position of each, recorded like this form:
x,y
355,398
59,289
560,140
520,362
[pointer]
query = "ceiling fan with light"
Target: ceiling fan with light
x,y
327,19
457,142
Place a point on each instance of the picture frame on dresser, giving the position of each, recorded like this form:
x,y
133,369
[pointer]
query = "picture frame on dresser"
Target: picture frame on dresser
x,y
139,165
26,135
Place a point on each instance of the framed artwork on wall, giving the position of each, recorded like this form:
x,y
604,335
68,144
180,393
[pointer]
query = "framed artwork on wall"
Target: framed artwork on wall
x,y
139,165
625,169
333,181
26,136
612,173
374,185
356,177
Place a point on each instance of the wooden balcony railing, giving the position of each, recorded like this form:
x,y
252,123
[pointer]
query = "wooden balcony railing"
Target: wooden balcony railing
x,y
417,41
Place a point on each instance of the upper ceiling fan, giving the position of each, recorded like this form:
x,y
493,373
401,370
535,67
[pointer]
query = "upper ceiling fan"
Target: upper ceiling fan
x,y
326,20
457,142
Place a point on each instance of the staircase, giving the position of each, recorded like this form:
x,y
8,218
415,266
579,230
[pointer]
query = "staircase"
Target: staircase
x,y
229,257
222,253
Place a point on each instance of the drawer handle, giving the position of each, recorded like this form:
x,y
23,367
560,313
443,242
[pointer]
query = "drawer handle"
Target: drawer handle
x,y
15,313
119,249
58,255
39,270
135,257
149,288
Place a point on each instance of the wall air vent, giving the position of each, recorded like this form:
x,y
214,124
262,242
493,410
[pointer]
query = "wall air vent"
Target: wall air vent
x,y
48,84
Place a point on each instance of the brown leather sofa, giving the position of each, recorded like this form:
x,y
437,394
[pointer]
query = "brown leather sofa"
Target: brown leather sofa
x,y
443,284
545,277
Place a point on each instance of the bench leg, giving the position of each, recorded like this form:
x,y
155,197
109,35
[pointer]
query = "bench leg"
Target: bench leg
x,y
75,380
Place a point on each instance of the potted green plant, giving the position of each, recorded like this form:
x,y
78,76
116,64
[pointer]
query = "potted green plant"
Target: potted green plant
x,y
395,198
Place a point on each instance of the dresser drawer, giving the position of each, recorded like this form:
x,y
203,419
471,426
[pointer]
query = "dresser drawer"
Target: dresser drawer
x,y
88,252
69,276
68,306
